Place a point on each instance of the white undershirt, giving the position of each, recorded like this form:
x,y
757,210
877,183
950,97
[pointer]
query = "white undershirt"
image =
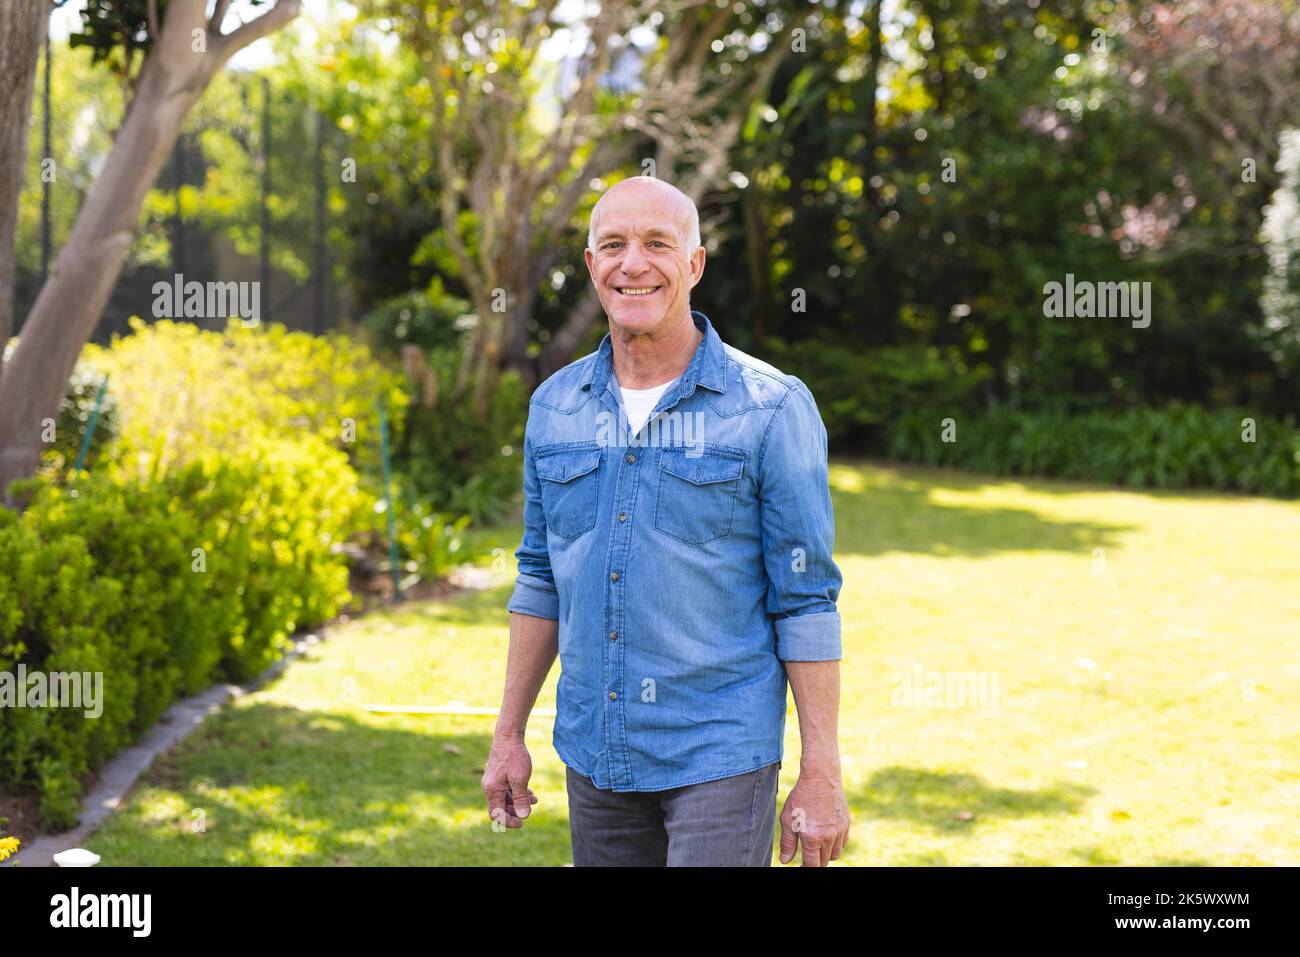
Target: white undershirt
x,y
639,403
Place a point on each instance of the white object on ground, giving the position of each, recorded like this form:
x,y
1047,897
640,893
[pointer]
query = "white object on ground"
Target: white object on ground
x,y
76,857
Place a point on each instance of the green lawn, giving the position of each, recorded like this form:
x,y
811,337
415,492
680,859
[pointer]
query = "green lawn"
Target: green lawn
x,y
1142,647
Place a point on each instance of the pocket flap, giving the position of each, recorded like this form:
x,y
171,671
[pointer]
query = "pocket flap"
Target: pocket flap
x,y
565,465
703,469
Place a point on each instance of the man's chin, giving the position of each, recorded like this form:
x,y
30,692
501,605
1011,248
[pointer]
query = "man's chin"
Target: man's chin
x,y
634,318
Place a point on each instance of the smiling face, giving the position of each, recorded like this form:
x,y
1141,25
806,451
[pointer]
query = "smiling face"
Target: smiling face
x,y
641,262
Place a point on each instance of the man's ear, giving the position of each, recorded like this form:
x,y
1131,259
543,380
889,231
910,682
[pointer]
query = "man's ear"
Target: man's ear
x,y
590,260
698,257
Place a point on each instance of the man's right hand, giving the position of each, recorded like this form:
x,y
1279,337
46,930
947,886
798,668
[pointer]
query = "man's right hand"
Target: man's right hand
x,y
505,780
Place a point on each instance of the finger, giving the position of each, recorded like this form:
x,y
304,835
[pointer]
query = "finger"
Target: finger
x,y
812,856
839,846
510,813
519,785
788,843
501,808
510,801
496,799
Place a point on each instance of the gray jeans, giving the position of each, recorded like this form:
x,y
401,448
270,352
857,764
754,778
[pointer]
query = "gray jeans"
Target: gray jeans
x,y
725,823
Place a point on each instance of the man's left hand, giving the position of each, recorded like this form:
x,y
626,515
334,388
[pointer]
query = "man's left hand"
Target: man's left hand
x,y
816,818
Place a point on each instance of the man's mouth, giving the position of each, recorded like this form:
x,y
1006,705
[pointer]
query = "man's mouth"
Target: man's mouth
x,y
637,290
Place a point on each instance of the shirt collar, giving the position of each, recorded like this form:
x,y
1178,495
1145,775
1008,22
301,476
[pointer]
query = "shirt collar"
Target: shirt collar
x,y
708,366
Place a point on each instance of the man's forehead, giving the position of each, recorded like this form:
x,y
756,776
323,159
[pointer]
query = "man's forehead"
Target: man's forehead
x,y
640,205
642,226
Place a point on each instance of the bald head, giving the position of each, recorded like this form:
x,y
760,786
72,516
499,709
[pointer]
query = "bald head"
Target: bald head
x,y
676,205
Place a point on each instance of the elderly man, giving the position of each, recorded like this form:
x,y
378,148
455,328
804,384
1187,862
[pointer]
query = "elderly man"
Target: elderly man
x,y
681,581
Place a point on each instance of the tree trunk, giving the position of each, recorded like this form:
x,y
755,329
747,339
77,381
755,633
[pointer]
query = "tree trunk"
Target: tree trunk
x,y
559,351
69,305
22,31
757,254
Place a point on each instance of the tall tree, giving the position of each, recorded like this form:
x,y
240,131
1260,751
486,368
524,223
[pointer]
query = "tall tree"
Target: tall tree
x,y
666,82
22,30
183,49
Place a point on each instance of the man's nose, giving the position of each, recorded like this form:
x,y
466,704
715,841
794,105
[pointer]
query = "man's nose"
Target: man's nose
x,y
634,260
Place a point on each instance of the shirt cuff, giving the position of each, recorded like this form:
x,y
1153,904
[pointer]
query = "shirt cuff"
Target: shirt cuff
x,y
809,637
536,597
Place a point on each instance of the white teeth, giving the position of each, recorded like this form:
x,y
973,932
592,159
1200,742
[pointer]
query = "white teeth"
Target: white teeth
x,y
638,292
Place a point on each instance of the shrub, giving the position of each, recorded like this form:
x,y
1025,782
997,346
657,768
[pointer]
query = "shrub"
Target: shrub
x,y
429,319
162,587
860,393
428,542
76,409
224,483
455,461
1181,446
181,392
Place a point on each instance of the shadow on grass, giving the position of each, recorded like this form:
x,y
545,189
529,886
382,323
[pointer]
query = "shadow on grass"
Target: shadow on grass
x,y
278,785
893,512
935,799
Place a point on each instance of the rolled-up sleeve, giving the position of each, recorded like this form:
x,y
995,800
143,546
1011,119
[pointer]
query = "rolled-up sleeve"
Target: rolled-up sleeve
x,y
535,593
798,526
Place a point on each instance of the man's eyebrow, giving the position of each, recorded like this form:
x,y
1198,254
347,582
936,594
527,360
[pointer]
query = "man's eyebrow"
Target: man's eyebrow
x,y
614,233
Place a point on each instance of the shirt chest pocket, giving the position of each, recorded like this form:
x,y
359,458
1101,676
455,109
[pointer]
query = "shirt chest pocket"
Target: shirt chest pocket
x,y
569,479
697,494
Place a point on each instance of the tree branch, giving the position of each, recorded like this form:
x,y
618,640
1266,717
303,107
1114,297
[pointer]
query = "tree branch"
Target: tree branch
x,y
231,43
218,14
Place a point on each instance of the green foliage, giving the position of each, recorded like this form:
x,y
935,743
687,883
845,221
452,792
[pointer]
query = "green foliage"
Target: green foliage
x,y
114,30
1181,446
163,587
1003,152
76,409
209,529
428,320
448,459
276,515
182,392
858,393
428,542
59,791
455,461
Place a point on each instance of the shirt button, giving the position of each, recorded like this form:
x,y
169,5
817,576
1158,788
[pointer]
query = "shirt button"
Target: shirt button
x,y
613,636
622,516
613,576
613,696
631,458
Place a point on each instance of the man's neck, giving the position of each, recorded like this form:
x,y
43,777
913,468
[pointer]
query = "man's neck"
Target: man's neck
x,y
653,358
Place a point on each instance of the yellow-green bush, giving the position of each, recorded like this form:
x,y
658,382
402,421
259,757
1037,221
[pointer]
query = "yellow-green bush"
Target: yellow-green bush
x,y
180,391
203,537
163,587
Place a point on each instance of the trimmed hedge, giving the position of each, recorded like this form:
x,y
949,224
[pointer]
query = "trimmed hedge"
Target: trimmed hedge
x,y
164,587
1182,446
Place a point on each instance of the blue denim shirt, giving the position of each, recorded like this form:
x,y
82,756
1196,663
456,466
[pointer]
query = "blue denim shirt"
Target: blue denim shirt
x,y
684,565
